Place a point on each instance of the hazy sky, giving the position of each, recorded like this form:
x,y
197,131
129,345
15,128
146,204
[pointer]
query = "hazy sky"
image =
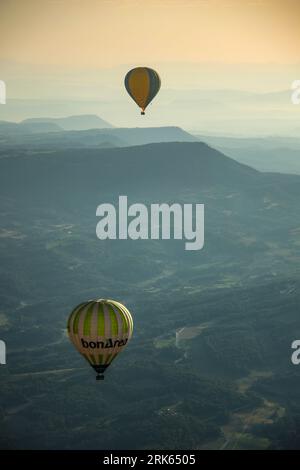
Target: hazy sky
x,y
104,33
78,52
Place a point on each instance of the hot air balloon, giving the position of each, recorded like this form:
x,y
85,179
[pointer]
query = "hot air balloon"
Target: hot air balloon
x,y
142,84
100,330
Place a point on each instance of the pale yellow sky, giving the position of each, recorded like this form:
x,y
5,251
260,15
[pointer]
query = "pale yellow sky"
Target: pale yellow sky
x,y
105,33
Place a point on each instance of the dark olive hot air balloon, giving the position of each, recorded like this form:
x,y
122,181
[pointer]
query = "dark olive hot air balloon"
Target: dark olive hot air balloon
x,y
100,330
142,84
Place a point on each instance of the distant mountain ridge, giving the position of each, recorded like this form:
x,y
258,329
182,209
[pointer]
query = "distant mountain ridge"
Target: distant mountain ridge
x,y
149,135
273,153
91,138
74,123
23,128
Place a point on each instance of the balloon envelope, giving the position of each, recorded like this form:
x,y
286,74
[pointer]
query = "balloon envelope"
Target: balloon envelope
x,y
142,84
100,330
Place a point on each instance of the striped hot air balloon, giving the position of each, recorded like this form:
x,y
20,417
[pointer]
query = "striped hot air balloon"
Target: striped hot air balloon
x,y
100,330
142,84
